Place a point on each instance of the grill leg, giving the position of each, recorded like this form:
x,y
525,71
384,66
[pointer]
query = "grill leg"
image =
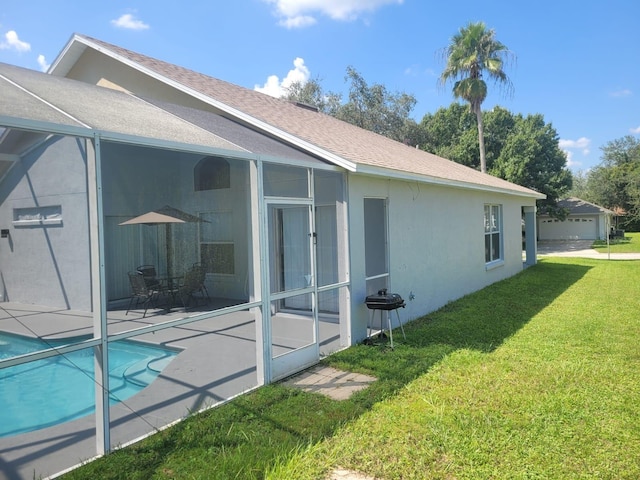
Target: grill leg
x,y
390,328
400,323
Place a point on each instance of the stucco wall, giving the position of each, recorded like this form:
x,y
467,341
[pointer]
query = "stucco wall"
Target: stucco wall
x,y
436,244
47,264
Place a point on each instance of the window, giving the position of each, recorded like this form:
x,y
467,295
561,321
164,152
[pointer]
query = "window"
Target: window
x,y
51,215
492,233
375,244
211,173
217,249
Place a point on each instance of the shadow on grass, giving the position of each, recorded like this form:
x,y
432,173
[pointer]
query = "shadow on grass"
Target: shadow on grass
x,y
480,321
247,436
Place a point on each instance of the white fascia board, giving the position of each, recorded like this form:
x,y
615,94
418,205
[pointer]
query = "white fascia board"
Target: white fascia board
x,y
414,177
287,137
71,49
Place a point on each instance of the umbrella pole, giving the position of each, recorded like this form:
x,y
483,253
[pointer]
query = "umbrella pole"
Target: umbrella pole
x,y
169,246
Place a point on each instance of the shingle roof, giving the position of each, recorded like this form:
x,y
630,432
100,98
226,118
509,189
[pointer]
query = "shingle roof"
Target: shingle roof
x,y
578,206
320,132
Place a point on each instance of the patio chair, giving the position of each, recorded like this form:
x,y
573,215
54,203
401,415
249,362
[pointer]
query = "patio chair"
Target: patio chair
x,y
202,276
141,293
150,276
192,284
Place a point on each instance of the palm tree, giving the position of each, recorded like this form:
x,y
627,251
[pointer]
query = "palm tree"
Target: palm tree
x,y
472,52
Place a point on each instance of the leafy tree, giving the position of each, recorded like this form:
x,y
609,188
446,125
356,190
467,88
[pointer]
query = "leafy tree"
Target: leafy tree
x,y
531,157
375,108
371,107
579,187
523,150
474,51
451,133
312,93
615,183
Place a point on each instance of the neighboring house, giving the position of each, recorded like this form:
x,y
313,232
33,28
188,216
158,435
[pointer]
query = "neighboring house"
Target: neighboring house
x,y
300,216
585,221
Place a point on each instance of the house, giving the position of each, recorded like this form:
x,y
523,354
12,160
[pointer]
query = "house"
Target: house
x,y
301,215
585,221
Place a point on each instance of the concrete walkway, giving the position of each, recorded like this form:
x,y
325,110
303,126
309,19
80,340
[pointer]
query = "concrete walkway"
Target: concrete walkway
x,y
580,248
328,381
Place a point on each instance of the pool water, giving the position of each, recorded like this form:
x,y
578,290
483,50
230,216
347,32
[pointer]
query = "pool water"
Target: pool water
x,y
60,389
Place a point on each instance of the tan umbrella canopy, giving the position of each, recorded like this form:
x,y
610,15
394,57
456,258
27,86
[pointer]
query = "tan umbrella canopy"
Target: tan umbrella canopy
x,y
166,216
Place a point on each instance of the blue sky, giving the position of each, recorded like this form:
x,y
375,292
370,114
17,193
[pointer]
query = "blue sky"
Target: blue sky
x,y
577,61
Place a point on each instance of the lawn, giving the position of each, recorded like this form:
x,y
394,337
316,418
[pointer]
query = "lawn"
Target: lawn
x,y
629,244
532,377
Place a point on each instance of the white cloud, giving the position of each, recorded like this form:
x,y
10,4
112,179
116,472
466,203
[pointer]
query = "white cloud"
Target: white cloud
x,y
570,147
299,13
416,70
44,66
129,22
635,131
276,88
12,42
300,21
623,92
571,163
582,143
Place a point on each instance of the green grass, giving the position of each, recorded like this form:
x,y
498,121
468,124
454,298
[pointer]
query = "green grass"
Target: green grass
x,y
629,244
533,377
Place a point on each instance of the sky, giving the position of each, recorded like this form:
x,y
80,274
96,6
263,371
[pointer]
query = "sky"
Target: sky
x,y
576,62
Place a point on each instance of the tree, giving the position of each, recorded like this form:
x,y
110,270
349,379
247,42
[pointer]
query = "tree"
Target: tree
x,y
450,133
579,187
523,150
531,157
375,108
312,93
372,107
474,51
615,183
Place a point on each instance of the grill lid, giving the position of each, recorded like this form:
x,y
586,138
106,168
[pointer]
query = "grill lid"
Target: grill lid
x,y
384,301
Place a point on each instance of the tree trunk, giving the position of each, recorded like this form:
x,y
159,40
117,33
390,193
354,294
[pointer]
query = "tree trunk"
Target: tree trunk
x,y
483,160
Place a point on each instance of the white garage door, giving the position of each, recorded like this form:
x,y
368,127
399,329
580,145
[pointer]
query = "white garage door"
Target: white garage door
x,y
577,228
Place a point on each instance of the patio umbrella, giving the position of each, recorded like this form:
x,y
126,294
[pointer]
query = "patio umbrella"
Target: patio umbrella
x,y
166,216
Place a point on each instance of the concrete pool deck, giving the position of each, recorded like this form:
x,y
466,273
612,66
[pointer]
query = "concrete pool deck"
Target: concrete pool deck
x,y
217,363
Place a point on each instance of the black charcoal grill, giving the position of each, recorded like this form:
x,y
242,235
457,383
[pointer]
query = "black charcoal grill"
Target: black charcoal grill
x,y
383,301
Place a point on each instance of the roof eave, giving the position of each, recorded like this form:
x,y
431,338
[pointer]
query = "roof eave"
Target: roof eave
x,y
68,56
399,175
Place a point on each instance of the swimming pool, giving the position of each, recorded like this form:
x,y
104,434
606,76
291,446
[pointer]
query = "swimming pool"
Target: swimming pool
x,y
60,389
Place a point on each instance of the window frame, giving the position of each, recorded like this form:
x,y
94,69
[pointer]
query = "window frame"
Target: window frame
x,y
493,234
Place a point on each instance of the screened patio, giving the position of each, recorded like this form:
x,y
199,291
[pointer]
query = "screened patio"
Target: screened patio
x,y
270,236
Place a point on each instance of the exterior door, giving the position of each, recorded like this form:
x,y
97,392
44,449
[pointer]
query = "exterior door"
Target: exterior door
x,y
292,288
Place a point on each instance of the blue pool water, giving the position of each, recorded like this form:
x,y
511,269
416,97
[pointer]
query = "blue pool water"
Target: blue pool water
x,y
58,389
